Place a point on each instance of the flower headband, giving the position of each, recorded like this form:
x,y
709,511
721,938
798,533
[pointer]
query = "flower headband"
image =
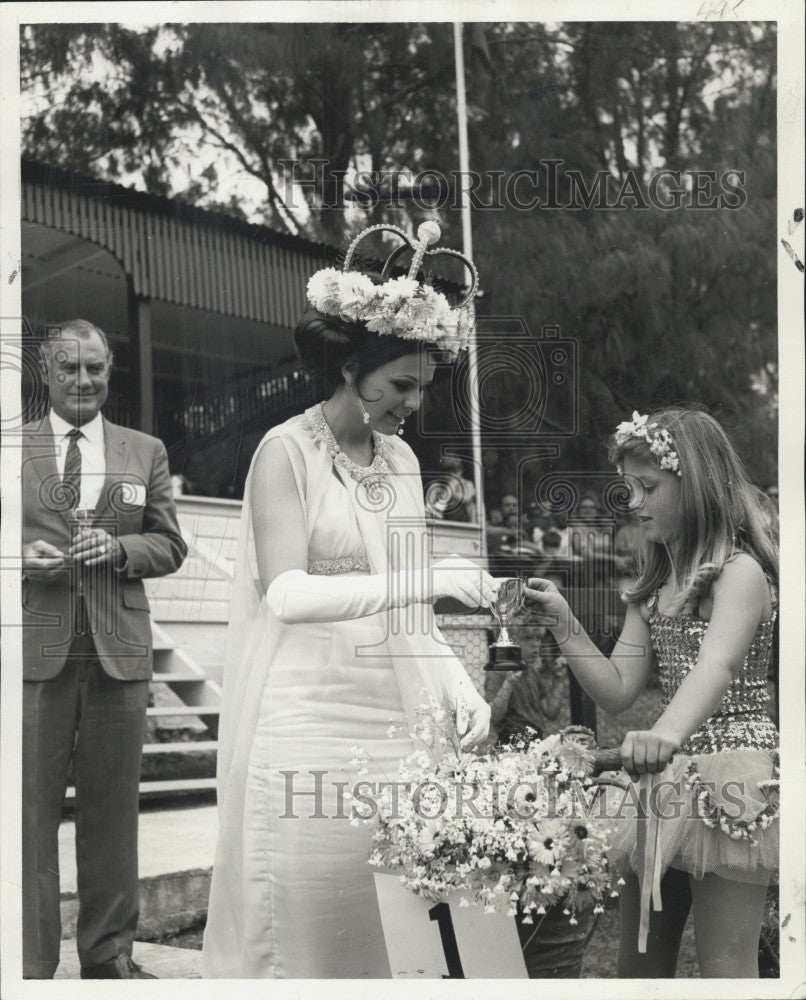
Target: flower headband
x,y
659,440
400,307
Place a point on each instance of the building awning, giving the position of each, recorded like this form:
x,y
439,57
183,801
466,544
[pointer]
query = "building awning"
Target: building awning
x,y
175,252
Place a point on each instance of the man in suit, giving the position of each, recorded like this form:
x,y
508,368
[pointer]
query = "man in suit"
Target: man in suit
x,y
98,518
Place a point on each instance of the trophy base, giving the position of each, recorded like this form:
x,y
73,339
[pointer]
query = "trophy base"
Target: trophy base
x,y
505,658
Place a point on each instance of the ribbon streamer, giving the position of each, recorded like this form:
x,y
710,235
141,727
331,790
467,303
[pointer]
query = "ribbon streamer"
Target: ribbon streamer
x,y
648,853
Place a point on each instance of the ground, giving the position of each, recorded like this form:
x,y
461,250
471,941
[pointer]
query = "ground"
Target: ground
x,y
600,955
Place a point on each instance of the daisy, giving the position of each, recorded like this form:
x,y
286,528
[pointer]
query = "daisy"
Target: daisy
x,y
549,841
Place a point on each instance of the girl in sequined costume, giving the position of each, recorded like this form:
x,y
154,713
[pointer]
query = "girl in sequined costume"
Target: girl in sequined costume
x,y
701,613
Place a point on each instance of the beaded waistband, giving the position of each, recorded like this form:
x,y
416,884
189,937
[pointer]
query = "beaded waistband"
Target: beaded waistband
x,y
335,567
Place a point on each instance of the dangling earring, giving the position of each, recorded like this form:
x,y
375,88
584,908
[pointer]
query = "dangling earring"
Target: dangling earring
x,y
400,430
365,418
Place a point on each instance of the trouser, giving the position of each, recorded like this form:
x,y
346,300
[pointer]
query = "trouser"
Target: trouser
x,y
85,715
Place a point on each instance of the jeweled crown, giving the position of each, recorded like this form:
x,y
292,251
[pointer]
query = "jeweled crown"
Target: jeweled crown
x,y
401,307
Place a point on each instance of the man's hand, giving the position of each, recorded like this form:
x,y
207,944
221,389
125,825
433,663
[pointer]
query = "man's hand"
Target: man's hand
x,y
42,560
94,546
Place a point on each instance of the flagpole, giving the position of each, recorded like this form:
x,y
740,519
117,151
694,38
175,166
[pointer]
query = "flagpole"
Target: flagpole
x,y
467,247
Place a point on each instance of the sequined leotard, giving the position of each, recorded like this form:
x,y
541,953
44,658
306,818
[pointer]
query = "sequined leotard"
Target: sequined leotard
x,y
741,722
733,751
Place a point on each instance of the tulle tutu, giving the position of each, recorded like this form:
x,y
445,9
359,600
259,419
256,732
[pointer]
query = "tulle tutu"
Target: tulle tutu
x,y
685,842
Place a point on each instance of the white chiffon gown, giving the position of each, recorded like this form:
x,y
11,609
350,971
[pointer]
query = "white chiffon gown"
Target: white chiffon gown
x,y
292,893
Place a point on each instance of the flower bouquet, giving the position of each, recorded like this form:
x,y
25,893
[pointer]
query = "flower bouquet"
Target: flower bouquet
x,y
511,829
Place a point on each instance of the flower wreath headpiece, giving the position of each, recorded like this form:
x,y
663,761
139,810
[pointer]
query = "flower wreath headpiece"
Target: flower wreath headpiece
x,y
401,307
660,441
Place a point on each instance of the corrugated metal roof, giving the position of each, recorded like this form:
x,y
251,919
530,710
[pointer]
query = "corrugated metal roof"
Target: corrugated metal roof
x,y
176,252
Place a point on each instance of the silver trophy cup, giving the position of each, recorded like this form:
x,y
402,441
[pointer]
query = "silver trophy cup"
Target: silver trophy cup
x,y
504,653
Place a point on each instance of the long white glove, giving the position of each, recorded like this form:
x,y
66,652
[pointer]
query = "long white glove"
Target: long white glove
x,y
296,596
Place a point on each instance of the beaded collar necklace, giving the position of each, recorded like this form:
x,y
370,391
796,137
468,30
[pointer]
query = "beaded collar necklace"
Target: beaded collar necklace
x,y
367,475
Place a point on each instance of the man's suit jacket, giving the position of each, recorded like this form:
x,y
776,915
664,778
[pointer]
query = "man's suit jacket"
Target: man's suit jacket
x,y
137,506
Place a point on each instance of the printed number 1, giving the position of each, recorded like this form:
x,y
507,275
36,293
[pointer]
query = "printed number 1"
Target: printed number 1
x,y
442,914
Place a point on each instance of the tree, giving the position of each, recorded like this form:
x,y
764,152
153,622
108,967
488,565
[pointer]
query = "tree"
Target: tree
x,y
665,306
264,95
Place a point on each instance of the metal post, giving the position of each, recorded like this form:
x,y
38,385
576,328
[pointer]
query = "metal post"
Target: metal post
x,y
142,374
467,247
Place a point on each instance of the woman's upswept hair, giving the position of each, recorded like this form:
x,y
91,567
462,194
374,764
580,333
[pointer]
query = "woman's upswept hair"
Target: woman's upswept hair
x,y
326,343
722,513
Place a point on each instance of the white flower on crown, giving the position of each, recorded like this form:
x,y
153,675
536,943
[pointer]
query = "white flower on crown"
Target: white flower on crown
x,y
401,307
355,290
399,289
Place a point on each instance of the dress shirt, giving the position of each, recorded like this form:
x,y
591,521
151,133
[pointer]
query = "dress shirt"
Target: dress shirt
x,y
93,455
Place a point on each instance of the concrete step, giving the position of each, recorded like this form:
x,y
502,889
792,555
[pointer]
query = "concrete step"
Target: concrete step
x,y
190,746
164,697
158,959
178,678
170,710
171,785
176,852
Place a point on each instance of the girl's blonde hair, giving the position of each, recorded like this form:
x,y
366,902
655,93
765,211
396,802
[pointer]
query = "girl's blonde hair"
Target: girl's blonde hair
x,y
722,513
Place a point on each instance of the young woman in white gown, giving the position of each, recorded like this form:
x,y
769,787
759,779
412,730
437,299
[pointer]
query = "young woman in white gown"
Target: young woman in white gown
x,y
331,645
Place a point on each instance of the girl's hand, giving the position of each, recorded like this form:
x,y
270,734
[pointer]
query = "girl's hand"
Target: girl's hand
x,y
544,595
647,752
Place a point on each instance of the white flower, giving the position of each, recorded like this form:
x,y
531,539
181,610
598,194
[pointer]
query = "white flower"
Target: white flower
x,y
398,290
356,292
323,290
549,841
380,322
634,427
429,836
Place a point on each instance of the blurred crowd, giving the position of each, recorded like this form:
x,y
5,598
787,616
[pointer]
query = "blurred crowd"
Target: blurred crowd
x,y
587,533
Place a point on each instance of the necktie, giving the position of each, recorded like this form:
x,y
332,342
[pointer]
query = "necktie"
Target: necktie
x,y
72,468
72,481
